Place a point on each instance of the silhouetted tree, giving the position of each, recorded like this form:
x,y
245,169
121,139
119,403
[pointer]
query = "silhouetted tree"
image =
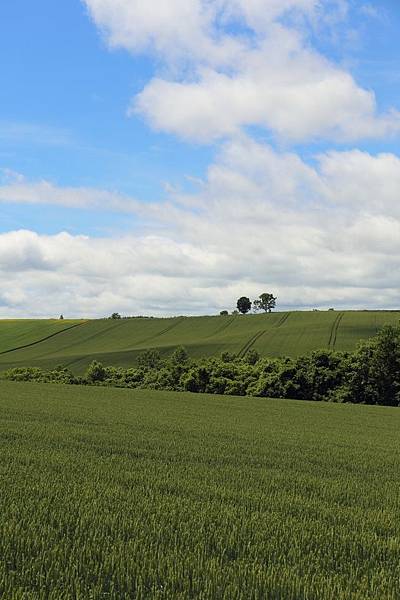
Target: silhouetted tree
x,y
243,305
265,302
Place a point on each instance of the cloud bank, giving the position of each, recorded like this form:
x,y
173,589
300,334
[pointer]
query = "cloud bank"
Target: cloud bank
x,y
316,235
318,232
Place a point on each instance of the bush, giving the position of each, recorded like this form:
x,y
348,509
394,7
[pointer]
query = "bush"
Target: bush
x,y
95,372
179,357
196,379
370,375
149,359
24,374
227,357
252,357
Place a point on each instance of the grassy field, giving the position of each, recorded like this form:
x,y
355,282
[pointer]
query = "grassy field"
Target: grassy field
x,y
115,494
75,344
20,333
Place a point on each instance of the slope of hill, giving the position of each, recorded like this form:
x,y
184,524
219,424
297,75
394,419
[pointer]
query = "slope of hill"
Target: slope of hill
x,y
47,343
19,333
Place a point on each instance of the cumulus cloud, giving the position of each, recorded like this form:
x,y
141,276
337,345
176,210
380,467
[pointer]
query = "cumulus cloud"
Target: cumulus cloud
x,y
318,234
236,63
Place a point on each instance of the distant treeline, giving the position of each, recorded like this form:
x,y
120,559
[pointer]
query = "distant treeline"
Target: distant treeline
x,y
370,375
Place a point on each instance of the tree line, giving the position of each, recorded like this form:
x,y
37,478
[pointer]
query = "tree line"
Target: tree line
x,y
370,375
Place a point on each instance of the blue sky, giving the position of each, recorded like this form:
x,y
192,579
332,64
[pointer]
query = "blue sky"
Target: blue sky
x,y
71,70
63,106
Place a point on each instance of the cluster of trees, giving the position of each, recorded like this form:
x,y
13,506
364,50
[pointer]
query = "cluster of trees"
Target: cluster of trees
x,y
265,302
370,375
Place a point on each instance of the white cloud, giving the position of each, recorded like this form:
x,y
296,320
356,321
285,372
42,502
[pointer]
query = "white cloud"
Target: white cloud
x,y
325,103
265,74
356,178
316,235
15,189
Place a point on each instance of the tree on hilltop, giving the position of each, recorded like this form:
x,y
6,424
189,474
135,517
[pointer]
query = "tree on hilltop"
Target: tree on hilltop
x,y
243,305
265,302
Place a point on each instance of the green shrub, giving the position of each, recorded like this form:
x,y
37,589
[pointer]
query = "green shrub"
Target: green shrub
x,y
95,372
371,375
149,359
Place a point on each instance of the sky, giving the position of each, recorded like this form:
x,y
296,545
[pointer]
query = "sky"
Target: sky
x,y
165,158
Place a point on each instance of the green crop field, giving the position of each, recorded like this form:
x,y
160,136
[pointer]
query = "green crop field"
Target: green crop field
x,y
75,344
20,333
120,494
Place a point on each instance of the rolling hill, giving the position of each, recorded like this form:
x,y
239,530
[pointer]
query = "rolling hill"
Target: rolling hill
x,y
47,343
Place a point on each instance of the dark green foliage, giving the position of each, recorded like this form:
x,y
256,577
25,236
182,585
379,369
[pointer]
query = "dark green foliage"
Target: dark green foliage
x,y
149,359
196,380
223,313
61,374
243,305
57,375
265,302
179,357
96,372
23,374
373,371
228,356
371,375
252,356
115,315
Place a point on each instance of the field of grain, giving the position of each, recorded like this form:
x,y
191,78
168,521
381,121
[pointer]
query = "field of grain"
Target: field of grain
x,y
22,333
120,494
119,342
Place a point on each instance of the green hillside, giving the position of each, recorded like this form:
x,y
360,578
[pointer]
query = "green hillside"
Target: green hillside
x,y
47,343
19,333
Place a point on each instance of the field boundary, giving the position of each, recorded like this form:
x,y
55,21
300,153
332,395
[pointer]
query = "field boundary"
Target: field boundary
x,y
44,339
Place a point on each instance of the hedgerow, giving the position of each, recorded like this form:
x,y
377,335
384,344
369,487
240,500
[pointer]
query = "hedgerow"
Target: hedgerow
x,y
370,375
